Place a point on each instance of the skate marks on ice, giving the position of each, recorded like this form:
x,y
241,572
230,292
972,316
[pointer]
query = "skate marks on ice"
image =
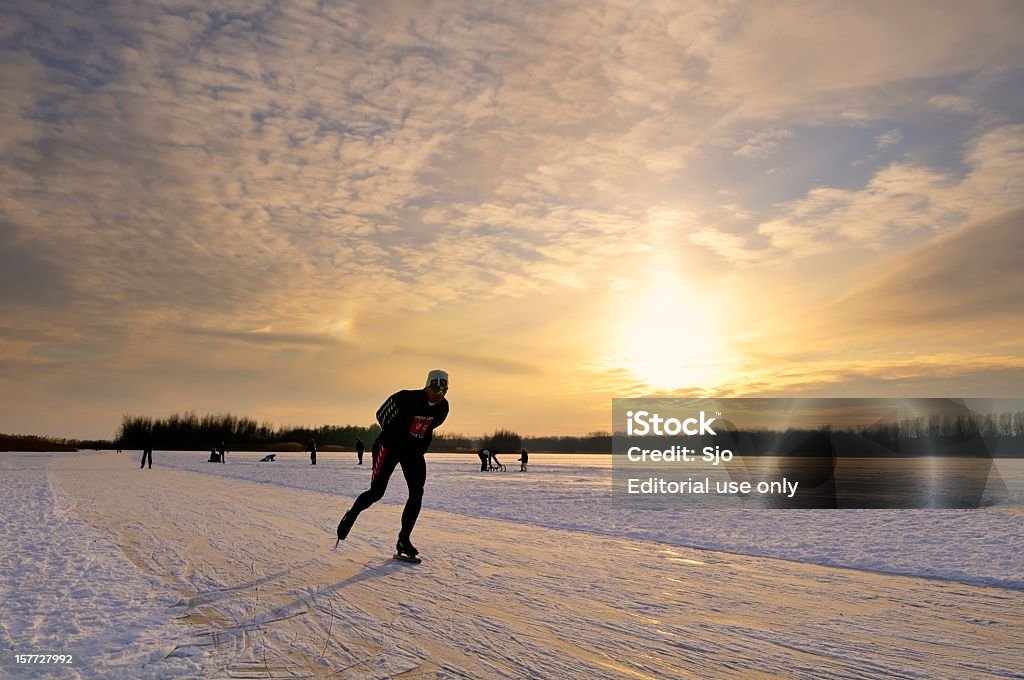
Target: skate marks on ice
x,y
66,587
627,609
265,596
258,589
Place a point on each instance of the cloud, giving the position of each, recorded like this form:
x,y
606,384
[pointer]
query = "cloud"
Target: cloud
x,y
762,143
924,375
28,278
788,56
971,276
476,362
335,172
264,337
731,247
297,168
964,105
903,198
888,139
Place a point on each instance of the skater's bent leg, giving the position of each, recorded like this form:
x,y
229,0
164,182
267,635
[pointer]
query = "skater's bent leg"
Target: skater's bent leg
x,y
377,487
414,468
368,497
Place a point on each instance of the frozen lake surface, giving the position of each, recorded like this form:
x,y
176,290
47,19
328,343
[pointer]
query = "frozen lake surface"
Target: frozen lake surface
x,y
194,569
574,492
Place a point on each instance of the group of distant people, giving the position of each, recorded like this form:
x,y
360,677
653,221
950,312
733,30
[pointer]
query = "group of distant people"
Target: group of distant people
x,y
219,454
489,460
360,448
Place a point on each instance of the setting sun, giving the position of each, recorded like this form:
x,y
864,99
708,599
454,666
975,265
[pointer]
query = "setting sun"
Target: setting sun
x,y
670,340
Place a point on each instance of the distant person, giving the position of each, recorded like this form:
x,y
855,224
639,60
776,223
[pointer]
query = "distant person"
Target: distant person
x,y
495,463
214,456
147,455
407,419
312,452
524,458
359,450
484,456
223,452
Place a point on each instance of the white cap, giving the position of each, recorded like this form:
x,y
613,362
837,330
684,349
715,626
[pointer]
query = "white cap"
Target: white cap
x,y
437,378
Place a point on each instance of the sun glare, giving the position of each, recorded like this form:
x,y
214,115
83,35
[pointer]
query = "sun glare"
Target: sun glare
x,y
669,340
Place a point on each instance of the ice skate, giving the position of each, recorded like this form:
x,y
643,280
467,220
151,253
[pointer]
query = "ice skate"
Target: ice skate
x,y
344,526
405,551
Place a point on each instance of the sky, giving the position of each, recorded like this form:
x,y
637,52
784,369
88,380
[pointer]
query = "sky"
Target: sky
x,y
288,210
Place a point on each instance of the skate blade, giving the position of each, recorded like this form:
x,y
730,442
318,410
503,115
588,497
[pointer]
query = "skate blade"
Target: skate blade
x,y
406,558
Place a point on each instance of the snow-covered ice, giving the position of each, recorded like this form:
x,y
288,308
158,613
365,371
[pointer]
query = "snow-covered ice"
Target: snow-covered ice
x,y
194,569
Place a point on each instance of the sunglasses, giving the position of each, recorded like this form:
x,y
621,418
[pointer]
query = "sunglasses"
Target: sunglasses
x,y
441,387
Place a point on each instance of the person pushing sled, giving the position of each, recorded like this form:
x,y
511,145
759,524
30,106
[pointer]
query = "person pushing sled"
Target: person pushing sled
x,y
407,419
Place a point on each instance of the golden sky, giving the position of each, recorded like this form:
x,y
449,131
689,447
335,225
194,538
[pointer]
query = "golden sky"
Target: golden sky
x,y
289,210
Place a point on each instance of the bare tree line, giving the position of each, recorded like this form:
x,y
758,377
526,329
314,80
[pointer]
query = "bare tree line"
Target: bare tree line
x,y
189,432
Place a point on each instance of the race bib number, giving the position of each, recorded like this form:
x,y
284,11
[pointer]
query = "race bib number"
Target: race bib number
x,y
420,426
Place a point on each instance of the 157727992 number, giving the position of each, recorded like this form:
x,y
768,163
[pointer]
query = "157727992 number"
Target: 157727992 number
x,y
17,658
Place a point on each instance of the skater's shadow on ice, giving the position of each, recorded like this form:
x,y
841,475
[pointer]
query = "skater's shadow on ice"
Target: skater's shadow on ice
x,y
297,570
299,606
231,591
370,571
